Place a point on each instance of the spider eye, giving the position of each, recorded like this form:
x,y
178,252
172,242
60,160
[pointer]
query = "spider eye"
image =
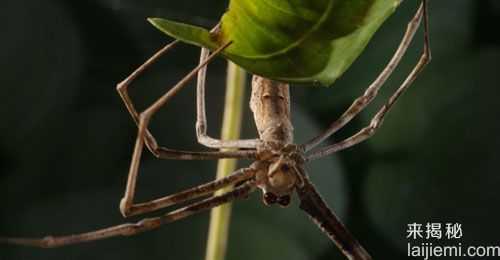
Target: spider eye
x,y
270,198
284,200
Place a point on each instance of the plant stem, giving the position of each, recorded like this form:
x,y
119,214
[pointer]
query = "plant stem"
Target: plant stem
x,y
231,126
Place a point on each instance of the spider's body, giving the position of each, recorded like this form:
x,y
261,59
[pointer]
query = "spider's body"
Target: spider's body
x,y
270,104
277,155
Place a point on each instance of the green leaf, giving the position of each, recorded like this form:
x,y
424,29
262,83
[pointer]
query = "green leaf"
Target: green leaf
x,y
293,41
185,32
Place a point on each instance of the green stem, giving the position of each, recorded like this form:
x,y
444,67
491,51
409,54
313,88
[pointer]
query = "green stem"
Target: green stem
x,y
231,126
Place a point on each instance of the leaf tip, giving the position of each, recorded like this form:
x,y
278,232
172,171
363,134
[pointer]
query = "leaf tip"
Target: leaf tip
x,y
154,21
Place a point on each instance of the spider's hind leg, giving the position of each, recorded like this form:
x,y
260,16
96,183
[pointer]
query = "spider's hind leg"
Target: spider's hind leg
x,y
360,103
201,118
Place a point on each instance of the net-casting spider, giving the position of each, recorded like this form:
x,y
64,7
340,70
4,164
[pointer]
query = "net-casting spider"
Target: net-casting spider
x,y
278,170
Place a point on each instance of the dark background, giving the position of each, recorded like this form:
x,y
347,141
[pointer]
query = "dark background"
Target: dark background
x,y
66,139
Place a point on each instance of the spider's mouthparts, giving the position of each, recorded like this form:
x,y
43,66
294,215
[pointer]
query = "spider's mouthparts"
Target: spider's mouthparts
x,y
269,198
284,201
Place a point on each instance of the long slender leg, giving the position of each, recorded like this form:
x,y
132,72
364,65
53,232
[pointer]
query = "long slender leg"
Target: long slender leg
x,y
144,119
122,87
163,152
201,118
312,203
192,193
130,229
371,92
377,120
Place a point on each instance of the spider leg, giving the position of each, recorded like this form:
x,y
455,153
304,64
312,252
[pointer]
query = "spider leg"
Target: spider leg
x,y
192,193
163,152
130,229
371,92
201,118
144,119
377,120
313,204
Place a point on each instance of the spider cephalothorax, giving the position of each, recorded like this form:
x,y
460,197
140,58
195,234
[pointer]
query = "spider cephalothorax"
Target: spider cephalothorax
x,y
277,175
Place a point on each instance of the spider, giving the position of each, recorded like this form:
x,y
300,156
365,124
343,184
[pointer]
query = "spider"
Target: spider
x,y
278,168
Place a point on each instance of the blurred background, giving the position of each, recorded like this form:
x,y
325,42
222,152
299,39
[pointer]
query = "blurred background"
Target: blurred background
x,y
66,139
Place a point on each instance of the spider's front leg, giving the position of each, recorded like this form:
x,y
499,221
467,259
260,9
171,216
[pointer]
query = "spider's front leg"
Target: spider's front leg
x,y
360,103
192,193
130,229
313,204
